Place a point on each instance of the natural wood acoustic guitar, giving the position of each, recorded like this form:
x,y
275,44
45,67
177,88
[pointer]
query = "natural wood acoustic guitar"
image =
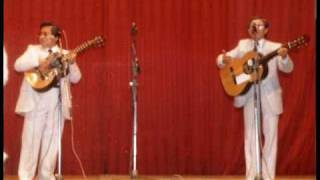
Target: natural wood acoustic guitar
x,y
238,75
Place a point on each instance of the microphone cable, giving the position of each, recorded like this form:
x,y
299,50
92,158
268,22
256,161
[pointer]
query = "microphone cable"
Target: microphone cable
x,y
72,128
75,153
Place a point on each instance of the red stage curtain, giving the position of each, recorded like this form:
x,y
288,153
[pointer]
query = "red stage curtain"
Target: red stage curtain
x,y
187,124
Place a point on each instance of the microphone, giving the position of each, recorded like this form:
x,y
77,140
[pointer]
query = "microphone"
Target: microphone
x,y
253,28
134,29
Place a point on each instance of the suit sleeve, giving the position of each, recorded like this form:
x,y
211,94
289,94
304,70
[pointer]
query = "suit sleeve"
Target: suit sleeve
x,y
285,65
75,73
233,53
27,61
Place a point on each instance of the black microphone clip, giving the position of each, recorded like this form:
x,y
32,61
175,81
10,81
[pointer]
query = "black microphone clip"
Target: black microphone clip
x,y
136,66
134,29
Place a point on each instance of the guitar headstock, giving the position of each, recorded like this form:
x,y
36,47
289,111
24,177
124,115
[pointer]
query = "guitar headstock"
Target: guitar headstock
x,y
97,41
299,42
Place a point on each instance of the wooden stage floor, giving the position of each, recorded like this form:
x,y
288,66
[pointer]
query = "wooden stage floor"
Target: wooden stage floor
x,y
173,177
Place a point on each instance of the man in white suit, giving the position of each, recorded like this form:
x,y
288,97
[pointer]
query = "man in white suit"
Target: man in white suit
x,y
271,97
5,80
5,66
43,110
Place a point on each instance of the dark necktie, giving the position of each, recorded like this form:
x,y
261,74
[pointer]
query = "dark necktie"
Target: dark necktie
x,y
256,45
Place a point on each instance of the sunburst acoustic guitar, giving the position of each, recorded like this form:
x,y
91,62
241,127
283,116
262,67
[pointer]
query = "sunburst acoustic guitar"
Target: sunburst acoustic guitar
x,y
42,80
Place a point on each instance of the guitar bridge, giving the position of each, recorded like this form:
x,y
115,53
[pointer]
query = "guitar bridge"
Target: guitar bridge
x,y
233,75
238,79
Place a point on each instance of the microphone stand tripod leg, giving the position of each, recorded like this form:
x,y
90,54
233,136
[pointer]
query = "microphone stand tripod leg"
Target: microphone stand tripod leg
x,y
58,177
134,174
259,177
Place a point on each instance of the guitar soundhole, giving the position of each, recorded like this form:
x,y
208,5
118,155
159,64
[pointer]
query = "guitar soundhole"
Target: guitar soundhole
x,y
248,68
57,62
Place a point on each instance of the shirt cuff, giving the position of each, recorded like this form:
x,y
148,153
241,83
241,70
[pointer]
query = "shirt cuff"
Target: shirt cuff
x,y
285,61
220,60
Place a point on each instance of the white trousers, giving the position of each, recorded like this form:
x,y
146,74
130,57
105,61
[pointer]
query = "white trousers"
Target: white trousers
x,y
269,122
40,138
5,156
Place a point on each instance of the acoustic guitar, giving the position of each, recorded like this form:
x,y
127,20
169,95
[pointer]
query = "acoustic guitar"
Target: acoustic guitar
x,y
238,76
45,79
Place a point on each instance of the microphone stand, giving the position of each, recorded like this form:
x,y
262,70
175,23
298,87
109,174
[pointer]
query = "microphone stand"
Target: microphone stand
x,y
60,119
134,85
257,114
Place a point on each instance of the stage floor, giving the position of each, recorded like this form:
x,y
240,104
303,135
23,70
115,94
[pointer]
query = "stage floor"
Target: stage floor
x,y
173,177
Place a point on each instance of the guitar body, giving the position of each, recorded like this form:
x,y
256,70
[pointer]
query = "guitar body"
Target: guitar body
x,y
238,76
41,81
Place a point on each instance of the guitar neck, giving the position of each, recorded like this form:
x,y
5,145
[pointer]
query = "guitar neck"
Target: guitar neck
x,y
297,43
265,59
96,42
81,48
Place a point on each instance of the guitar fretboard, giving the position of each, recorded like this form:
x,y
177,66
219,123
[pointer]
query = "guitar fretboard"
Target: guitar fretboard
x,y
290,45
269,56
94,42
82,47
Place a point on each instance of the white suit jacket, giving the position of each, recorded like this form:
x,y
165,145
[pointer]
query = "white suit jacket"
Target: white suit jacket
x,y
270,86
28,97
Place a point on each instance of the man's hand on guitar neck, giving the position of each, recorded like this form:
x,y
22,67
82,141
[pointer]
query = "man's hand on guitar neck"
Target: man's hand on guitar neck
x,y
283,52
72,57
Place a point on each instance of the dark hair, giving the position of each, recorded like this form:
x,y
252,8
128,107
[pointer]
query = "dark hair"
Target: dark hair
x,y
264,20
55,30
